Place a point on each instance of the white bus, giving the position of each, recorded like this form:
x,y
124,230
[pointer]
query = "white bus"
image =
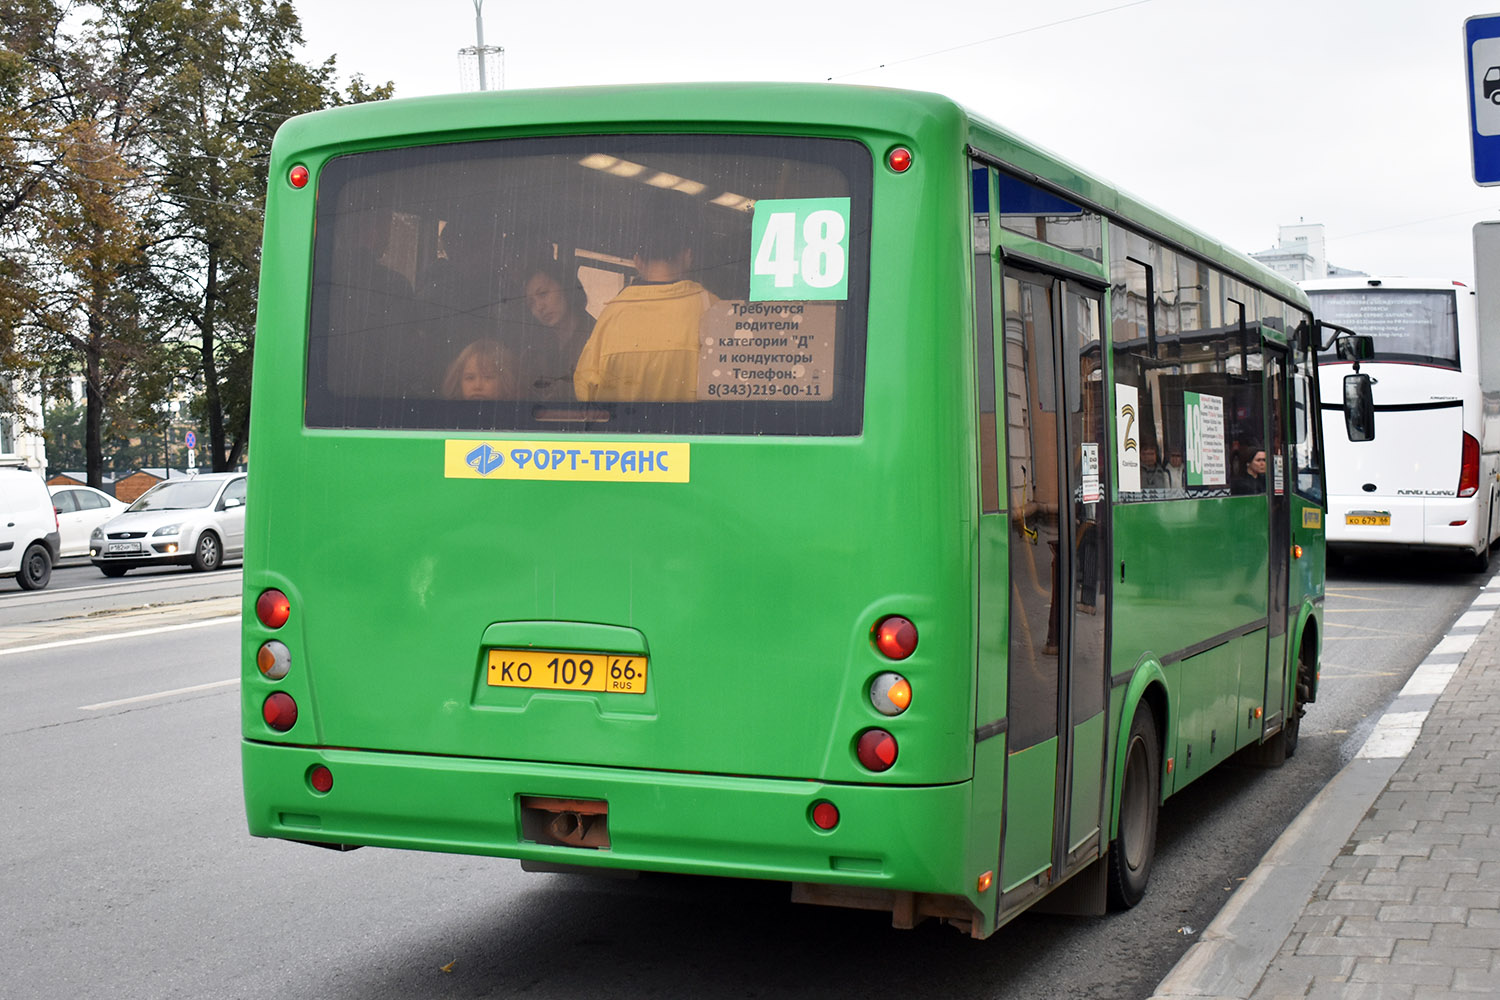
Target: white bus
x,y
1428,478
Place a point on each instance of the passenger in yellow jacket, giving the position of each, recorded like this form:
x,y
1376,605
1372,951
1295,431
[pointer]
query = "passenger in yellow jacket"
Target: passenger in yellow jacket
x,y
645,345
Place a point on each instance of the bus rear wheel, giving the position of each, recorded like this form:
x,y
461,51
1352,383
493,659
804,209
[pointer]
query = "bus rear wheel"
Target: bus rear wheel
x,y
1134,847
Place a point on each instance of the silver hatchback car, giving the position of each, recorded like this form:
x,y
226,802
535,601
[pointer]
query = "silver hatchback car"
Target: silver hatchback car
x,y
198,521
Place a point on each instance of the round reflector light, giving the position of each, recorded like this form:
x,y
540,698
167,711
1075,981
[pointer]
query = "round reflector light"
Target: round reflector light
x,y
876,749
896,637
899,159
273,608
890,693
274,660
280,711
825,815
298,176
320,778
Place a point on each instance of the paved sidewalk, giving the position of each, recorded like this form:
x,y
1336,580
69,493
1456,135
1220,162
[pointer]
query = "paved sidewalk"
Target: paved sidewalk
x,y
1388,883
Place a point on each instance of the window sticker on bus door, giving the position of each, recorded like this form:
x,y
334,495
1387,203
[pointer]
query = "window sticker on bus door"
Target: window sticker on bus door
x,y
1205,455
568,461
1127,438
767,350
799,250
1089,471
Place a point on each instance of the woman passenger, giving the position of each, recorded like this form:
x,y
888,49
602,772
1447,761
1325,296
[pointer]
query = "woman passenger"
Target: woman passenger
x,y
557,305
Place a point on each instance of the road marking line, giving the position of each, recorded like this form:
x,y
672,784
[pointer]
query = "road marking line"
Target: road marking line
x,y
160,694
61,643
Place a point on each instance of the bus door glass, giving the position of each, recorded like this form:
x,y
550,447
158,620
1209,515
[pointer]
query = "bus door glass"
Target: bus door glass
x,y
1278,464
1058,595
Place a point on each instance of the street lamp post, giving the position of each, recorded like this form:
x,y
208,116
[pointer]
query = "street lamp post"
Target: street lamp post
x,y
482,52
479,39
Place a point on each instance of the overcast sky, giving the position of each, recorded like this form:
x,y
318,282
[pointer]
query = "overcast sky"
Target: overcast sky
x,y
1234,115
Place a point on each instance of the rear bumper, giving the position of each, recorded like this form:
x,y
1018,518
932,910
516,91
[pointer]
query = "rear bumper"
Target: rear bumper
x,y
887,837
1415,522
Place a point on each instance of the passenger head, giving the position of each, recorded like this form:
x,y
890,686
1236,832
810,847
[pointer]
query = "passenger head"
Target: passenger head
x,y
554,297
479,372
664,239
1257,464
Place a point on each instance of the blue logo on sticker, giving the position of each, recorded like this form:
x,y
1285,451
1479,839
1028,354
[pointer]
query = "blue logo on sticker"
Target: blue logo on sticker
x,y
485,459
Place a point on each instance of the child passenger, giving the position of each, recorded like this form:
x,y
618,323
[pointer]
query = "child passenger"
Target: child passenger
x,y
483,370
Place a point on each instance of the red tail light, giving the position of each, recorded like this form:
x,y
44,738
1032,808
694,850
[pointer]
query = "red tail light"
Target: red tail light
x,y
896,637
1468,476
320,778
280,711
825,815
273,608
876,749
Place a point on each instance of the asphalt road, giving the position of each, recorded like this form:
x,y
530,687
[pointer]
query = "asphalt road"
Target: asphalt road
x,y
128,873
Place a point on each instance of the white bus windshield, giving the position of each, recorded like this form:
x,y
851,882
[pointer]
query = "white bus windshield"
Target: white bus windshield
x,y
1415,326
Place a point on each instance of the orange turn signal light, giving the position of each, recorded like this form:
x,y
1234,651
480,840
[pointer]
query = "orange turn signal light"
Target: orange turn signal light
x,y
985,881
890,693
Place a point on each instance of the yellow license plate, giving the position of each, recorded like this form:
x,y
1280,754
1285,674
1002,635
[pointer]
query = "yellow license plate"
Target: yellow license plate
x,y
557,670
1383,520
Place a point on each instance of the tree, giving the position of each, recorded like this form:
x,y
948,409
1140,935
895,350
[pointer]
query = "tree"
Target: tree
x,y
27,167
88,240
232,87
133,152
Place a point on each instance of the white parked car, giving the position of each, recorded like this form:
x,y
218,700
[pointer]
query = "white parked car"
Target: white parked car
x,y
198,521
28,525
81,509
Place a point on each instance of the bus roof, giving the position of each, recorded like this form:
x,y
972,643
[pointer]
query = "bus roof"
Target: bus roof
x,y
826,108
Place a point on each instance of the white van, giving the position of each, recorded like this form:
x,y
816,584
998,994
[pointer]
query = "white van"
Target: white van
x,y
28,525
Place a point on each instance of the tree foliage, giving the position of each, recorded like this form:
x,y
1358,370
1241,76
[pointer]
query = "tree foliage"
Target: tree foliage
x,y
134,139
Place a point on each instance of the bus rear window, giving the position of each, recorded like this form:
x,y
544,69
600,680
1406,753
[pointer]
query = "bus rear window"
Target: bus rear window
x,y
682,284
1420,327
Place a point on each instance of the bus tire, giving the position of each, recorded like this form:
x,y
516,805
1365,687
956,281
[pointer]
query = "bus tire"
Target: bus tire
x,y
1477,562
1133,849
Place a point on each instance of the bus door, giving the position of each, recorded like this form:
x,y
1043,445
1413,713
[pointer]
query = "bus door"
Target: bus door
x,y
1279,488
1059,593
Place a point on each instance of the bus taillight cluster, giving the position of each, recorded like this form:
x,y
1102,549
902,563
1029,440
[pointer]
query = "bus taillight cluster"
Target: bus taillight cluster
x,y
274,660
1468,473
895,638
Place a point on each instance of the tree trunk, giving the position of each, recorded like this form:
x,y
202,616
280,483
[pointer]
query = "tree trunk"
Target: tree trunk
x,y
210,367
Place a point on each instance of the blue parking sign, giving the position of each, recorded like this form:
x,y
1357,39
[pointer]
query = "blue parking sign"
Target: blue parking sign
x,y
1482,54
190,439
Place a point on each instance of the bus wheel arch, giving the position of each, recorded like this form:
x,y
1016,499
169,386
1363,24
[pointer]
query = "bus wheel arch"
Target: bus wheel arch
x,y
1304,687
1140,777
1132,851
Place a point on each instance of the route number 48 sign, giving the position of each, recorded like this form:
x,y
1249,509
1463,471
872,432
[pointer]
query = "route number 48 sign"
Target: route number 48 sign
x,y
799,249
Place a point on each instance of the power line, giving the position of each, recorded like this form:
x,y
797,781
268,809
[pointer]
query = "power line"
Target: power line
x,y
993,38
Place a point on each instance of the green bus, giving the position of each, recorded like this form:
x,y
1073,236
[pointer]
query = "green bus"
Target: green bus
x,y
806,483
